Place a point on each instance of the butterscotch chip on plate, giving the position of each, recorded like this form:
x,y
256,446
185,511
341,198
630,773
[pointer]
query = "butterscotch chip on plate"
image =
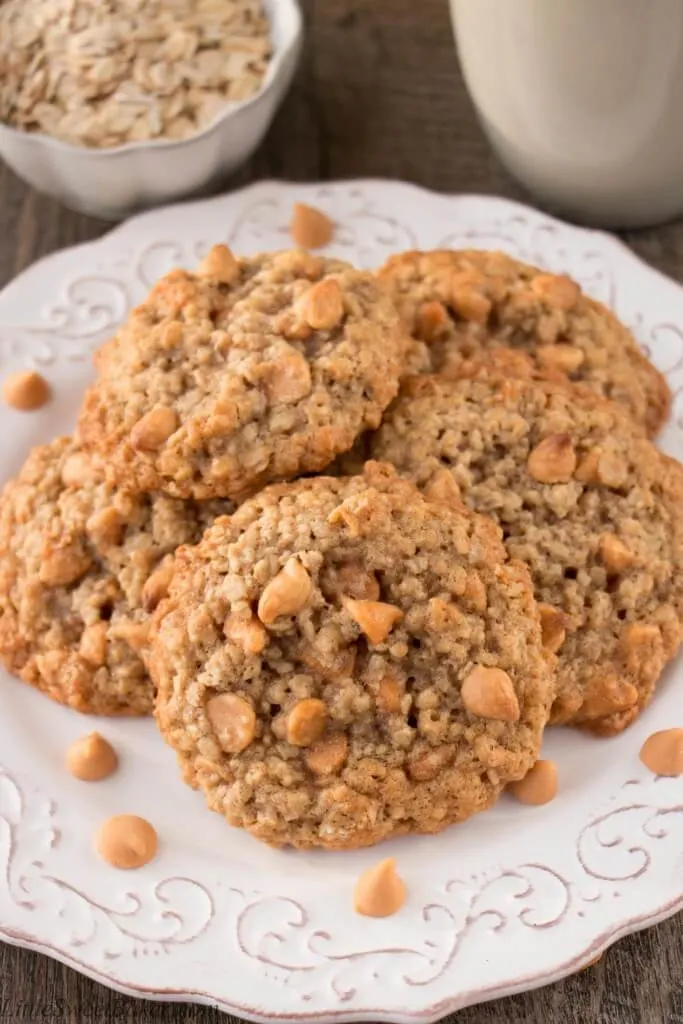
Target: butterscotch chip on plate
x,y
82,565
244,372
26,391
126,841
310,227
662,752
539,785
402,683
91,758
584,499
458,304
380,891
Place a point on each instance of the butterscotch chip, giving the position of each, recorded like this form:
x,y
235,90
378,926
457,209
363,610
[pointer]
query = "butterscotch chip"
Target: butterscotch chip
x,y
552,628
306,722
380,891
662,752
309,227
602,465
489,693
612,469
26,391
583,498
566,358
91,758
233,720
614,553
244,372
606,693
327,756
287,379
359,731
82,564
553,460
247,631
126,841
587,468
431,319
322,306
639,645
61,566
539,785
492,300
219,265
375,618
154,428
557,290
286,594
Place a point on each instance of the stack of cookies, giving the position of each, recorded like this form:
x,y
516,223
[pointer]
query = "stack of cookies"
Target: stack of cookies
x,y
355,539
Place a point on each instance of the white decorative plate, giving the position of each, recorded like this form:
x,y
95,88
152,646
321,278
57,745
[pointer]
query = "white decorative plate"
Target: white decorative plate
x,y
514,899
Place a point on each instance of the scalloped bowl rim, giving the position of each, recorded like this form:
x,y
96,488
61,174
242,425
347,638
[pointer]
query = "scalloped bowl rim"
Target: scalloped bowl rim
x,y
278,9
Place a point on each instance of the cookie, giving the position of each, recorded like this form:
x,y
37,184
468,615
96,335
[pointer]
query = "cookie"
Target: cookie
x,y
82,565
457,303
242,373
342,661
584,499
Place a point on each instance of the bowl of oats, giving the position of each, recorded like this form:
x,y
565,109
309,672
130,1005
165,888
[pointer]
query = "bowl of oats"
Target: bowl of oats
x,y
114,106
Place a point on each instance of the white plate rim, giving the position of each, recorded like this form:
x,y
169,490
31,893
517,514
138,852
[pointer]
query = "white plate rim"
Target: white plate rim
x,y
471,213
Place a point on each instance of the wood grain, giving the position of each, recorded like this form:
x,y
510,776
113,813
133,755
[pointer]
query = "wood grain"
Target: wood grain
x,y
379,93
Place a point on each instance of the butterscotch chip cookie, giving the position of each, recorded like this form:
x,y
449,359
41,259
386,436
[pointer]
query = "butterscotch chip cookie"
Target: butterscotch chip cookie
x,y
82,565
584,499
342,661
242,373
457,303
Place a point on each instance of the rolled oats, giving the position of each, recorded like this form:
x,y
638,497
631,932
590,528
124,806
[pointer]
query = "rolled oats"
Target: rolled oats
x,y
102,73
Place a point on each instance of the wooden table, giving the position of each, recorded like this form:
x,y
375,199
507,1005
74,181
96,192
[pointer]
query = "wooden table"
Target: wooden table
x,y
379,93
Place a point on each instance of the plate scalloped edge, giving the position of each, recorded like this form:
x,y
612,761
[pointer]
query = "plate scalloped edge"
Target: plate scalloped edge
x,y
604,861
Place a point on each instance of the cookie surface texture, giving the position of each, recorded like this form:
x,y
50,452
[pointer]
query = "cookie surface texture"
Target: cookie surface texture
x,y
460,303
245,372
343,661
584,499
82,565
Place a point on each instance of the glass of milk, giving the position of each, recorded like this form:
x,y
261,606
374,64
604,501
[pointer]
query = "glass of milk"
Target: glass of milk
x,y
582,100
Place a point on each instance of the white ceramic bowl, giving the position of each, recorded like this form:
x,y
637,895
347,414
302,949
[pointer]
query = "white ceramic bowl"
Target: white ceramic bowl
x,y
113,183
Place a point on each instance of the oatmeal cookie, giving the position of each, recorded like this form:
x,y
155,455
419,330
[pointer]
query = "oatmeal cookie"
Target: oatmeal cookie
x,y
343,661
458,302
242,373
584,499
82,565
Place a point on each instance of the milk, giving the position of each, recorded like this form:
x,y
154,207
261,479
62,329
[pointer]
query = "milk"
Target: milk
x,y
582,100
